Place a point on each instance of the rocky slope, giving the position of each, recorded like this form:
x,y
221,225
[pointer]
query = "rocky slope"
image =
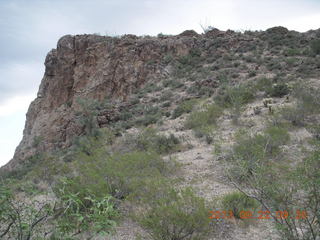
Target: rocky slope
x,y
202,90
89,66
99,67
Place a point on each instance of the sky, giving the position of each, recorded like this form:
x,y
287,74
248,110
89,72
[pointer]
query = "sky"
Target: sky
x,y
31,28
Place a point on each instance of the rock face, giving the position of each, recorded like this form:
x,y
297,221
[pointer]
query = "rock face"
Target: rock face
x,y
99,67
90,66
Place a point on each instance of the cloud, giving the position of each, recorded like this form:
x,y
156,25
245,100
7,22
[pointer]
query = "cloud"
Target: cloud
x,y
12,118
19,79
14,105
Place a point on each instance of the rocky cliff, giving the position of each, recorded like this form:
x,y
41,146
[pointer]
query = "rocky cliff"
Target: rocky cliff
x,y
101,67
90,66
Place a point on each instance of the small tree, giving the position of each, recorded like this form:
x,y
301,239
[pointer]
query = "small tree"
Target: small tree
x,y
291,195
20,220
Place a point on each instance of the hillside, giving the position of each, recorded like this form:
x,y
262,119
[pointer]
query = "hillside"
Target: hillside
x,y
141,137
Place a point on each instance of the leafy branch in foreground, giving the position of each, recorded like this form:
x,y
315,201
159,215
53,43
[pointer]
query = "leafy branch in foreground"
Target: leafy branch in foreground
x,y
87,213
66,218
279,186
21,220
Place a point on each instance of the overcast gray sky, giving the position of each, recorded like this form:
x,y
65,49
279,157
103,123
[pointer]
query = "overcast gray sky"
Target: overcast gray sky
x,y
30,28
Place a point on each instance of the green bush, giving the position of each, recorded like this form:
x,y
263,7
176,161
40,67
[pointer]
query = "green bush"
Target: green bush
x,y
184,107
148,119
278,90
308,99
230,96
207,116
294,115
250,152
87,115
119,174
306,105
203,121
292,52
150,115
20,172
234,98
172,83
292,188
277,136
84,213
315,46
22,220
237,202
149,140
263,83
177,215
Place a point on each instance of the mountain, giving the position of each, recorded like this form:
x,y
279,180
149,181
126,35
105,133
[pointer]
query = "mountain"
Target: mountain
x,y
219,103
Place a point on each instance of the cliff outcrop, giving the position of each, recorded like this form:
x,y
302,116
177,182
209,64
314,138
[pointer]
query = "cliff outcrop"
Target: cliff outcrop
x,y
102,67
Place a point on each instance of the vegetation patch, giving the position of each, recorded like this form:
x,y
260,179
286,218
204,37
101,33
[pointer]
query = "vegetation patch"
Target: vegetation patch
x,y
203,121
184,107
177,215
237,202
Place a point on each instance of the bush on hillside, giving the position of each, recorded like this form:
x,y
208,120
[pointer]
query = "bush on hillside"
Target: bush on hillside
x,y
177,215
237,202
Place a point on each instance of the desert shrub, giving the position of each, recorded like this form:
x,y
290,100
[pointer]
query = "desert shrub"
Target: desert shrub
x,y
19,172
47,218
292,62
278,90
263,83
134,100
277,136
166,104
234,98
291,189
315,130
151,115
252,74
203,121
199,90
172,83
306,105
87,143
192,58
237,202
125,116
148,88
148,119
308,98
315,46
166,96
184,107
229,96
292,52
20,219
207,116
250,152
79,213
294,115
286,189
150,140
118,175
87,115
177,215
37,140
126,172
49,169
168,58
